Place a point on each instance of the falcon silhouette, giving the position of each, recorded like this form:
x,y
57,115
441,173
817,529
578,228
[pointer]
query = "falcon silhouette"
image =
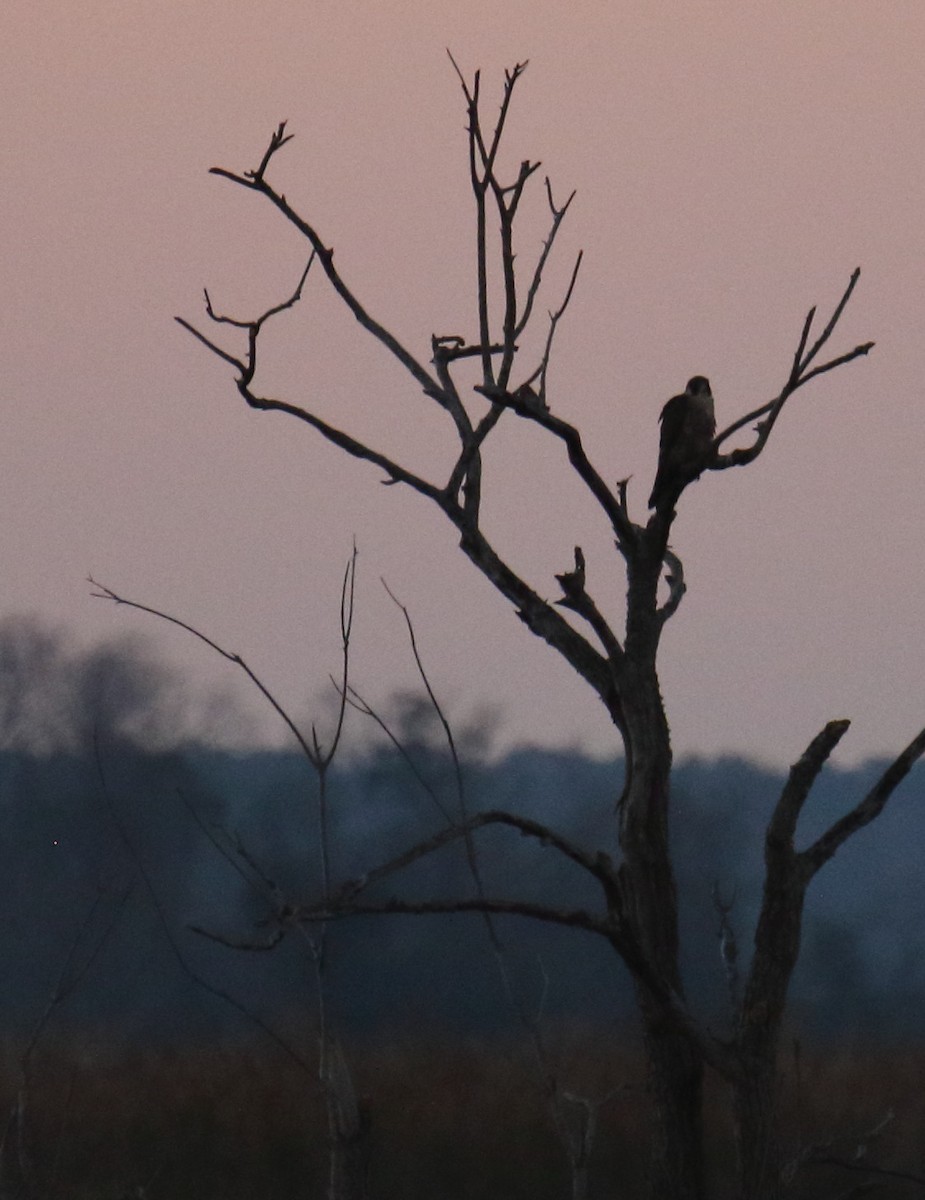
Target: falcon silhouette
x,y
688,429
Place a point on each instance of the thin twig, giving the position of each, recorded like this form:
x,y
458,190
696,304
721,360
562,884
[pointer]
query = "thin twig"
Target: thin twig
x,y
361,705
767,414
558,216
554,318
105,593
182,961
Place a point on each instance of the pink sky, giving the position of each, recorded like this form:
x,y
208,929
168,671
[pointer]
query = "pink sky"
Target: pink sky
x,y
734,162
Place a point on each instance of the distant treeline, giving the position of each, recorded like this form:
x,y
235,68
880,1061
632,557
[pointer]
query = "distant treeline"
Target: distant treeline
x,y
110,854
120,831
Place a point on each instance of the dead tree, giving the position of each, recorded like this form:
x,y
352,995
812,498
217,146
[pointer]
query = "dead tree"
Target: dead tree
x,y
613,646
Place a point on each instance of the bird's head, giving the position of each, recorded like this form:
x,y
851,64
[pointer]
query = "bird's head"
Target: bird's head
x,y
698,386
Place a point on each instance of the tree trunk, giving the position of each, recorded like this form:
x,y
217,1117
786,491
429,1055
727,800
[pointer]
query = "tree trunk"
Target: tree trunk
x,y
777,948
758,1147
649,897
676,1079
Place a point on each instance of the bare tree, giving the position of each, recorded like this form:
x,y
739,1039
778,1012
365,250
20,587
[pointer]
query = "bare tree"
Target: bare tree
x,y
348,1114
613,648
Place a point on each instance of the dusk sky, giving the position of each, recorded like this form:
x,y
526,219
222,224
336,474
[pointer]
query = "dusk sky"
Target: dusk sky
x,y
734,162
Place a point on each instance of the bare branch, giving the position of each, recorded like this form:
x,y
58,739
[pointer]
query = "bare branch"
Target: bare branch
x,y
611,924
78,960
803,774
357,702
277,141
353,447
858,352
483,176
461,77
526,404
830,326
106,593
714,1051
777,933
800,374
247,369
188,970
867,810
539,616
257,946
558,215
256,182
575,597
229,358
510,82
252,327
507,200
347,605
801,346
528,1020
574,917
466,473
855,1157
597,865
431,695
450,348
476,149
319,758
866,1168
554,318
233,853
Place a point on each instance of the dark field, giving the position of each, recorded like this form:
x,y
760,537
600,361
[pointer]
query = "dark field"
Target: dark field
x,y
461,1120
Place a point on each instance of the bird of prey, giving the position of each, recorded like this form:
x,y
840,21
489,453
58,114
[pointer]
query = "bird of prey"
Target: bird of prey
x,y
688,429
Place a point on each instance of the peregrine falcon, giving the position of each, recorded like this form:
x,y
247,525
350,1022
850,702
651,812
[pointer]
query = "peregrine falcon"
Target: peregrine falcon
x,y
688,429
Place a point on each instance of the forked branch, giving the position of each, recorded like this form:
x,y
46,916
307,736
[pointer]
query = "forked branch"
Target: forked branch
x,y
558,216
576,597
247,367
802,776
867,809
788,872
256,181
801,372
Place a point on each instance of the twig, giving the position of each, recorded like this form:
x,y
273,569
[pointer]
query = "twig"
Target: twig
x,y
800,374
105,593
432,697
554,318
255,181
576,918
182,961
575,597
361,705
558,216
